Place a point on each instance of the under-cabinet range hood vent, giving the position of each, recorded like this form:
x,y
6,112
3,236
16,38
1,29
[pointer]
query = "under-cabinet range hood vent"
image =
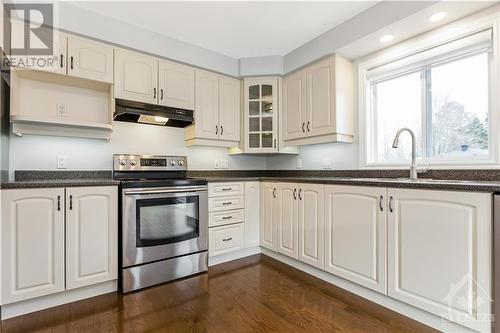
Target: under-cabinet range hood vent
x,y
143,113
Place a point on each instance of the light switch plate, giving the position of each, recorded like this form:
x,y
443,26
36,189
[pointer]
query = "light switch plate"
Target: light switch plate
x,y
224,164
217,164
326,163
62,162
299,163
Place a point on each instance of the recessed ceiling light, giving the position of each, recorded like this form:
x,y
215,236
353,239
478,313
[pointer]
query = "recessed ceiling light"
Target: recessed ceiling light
x,y
386,38
438,16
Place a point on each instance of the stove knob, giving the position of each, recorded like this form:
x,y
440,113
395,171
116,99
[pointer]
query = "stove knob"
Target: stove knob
x,y
180,162
123,162
172,162
133,162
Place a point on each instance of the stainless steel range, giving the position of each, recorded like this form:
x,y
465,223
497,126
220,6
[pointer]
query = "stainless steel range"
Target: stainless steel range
x,y
164,220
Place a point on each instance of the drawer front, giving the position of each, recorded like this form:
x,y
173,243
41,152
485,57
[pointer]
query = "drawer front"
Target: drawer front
x,y
226,203
226,217
225,189
226,239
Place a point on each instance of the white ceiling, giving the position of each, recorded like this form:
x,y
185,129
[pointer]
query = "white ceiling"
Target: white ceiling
x,y
237,29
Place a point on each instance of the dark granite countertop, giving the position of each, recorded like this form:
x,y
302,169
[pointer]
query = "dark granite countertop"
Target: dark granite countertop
x,y
58,183
422,183
44,179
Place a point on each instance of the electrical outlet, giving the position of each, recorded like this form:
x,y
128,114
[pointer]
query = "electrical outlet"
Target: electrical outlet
x,y
224,164
299,163
217,164
62,162
61,109
326,163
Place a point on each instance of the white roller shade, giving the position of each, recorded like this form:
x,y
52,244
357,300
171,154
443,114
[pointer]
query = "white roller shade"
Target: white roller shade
x,y
467,45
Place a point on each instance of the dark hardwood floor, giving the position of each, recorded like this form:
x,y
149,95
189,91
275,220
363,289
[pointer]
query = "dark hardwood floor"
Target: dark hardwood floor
x,y
254,294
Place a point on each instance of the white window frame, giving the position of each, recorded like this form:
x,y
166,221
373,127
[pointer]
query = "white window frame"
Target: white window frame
x,y
424,42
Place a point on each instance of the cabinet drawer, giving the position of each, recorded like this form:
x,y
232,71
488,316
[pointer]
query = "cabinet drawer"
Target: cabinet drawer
x,y
226,217
226,239
224,189
226,203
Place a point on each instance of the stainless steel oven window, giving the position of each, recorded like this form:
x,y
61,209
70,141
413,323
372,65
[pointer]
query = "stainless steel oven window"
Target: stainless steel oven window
x,y
167,220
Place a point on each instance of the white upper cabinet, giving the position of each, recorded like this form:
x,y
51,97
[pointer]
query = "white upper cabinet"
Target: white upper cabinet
x,y
318,103
90,60
32,243
136,77
268,216
229,108
356,234
440,252
91,235
206,114
294,102
176,85
311,198
261,115
217,111
288,219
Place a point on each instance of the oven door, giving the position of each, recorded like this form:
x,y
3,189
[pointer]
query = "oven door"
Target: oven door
x,y
161,223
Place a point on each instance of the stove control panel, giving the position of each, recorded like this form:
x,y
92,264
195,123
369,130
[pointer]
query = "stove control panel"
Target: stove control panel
x,y
129,162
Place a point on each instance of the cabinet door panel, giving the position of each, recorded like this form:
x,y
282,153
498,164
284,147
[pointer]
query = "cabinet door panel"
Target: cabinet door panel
x,y
136,77
229,108
206,113
91,235
90,60
176,83
32,243
311,224
288,223
356,235
268,226
321,98
294,106
440,253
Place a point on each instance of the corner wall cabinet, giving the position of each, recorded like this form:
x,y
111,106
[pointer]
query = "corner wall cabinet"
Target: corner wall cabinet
x,y
429,249
150,80
318,103
36,225
217,111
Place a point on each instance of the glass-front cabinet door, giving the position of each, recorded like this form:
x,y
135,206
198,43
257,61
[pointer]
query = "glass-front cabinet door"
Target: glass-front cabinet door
x,y
261,115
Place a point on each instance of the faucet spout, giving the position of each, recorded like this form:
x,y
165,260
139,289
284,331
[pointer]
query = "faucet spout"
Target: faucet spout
x,y
395,143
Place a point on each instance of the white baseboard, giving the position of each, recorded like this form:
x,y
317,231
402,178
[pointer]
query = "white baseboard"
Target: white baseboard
x,y
250,251
64,297
386,301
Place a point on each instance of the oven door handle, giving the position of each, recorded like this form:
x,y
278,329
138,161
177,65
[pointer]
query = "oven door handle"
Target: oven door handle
x,y
180,189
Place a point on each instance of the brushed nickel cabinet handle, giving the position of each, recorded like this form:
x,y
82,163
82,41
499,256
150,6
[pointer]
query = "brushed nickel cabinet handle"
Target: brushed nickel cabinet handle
x,y
221,130
58,203
390,204
62,60
227,217
154,93
381,203
300,194
70,202
227,203
161,94
227,239
295,194
303,127
274,192
71,62
216,129
308,128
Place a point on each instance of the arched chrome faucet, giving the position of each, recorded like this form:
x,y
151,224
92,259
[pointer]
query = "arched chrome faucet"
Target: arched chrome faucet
x,y
413,167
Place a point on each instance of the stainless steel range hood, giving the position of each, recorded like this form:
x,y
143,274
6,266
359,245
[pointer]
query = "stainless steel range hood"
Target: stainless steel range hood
x,y
152,114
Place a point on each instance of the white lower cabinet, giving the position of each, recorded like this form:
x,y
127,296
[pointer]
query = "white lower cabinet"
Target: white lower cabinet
x,y
288,219
268,216
429,249
355,247
91,235
40,227
32,243
311,224
233,219
226,239
439,253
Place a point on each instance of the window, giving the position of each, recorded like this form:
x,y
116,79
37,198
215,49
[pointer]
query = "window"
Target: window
x,y
442,94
